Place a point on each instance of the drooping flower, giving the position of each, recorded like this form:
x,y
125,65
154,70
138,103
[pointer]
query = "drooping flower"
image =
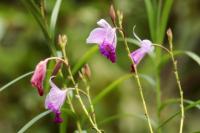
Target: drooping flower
x,y
145,47
54,100
39,75
105,37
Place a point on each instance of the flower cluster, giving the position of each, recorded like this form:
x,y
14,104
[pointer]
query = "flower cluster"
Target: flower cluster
x,y
56,97
105,36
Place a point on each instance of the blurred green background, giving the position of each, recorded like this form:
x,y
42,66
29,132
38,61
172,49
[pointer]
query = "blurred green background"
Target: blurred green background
x,y
22,46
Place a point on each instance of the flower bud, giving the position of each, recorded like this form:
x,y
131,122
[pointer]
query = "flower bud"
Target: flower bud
x,y
57,68
170,37
62,40
169,34
86,71
112,14
39,75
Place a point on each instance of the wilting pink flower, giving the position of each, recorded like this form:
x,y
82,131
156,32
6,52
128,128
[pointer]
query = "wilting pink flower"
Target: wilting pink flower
x,y
39,75
145,47
54,100
106,37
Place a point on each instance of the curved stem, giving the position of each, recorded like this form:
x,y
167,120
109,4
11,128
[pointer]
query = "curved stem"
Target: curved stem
x,y
177,81
138,80
179,86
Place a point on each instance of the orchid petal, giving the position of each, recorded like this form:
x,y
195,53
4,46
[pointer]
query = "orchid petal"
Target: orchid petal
x,y
96,36
103,23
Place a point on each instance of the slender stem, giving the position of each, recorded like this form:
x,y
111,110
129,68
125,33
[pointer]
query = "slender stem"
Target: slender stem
x,y
73,110
91,105
179,86
77,92
177,80
69,99
138,80
158,97
86,112
89,99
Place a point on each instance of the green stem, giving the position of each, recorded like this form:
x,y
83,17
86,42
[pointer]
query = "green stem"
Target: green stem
x,y
78,94
89,99
138,80
177,80
179,87
69,99
73,110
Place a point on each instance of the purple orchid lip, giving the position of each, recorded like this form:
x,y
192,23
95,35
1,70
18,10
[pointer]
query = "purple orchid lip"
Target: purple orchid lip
x,y
108,51
105,37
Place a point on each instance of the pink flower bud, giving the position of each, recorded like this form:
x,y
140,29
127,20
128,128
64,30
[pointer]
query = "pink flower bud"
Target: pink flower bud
x,y
39,75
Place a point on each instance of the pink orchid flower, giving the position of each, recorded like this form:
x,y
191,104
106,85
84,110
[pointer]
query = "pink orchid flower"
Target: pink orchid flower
x,y
145,47
105,37
54,100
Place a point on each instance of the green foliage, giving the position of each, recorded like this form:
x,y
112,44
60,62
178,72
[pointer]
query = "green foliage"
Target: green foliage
x,y
33,121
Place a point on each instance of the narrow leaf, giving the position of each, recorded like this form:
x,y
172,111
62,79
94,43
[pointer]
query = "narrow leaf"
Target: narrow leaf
x,y
54,16
151,17
84,59
32,7
34,120
177,113
130,40
111,87
192,55
164,18
174,101
149,79
15,80
123,115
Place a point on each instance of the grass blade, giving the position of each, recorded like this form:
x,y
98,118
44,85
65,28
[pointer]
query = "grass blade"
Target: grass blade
x,y
164,19
31,122
149,79
32,7
110,88
15,80
190,54
84,59
177,113
118,116
151,18
174,101
54,16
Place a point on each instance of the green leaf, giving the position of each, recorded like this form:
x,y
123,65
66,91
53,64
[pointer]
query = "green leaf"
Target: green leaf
x,y
174,101
130,40
32,7
151,17
123,115
111,87
190,54
194,104
54,16
15,80
164,19
34,120
84,59
149,79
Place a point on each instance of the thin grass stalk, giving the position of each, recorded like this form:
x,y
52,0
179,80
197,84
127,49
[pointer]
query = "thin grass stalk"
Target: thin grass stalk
x,y
170,39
